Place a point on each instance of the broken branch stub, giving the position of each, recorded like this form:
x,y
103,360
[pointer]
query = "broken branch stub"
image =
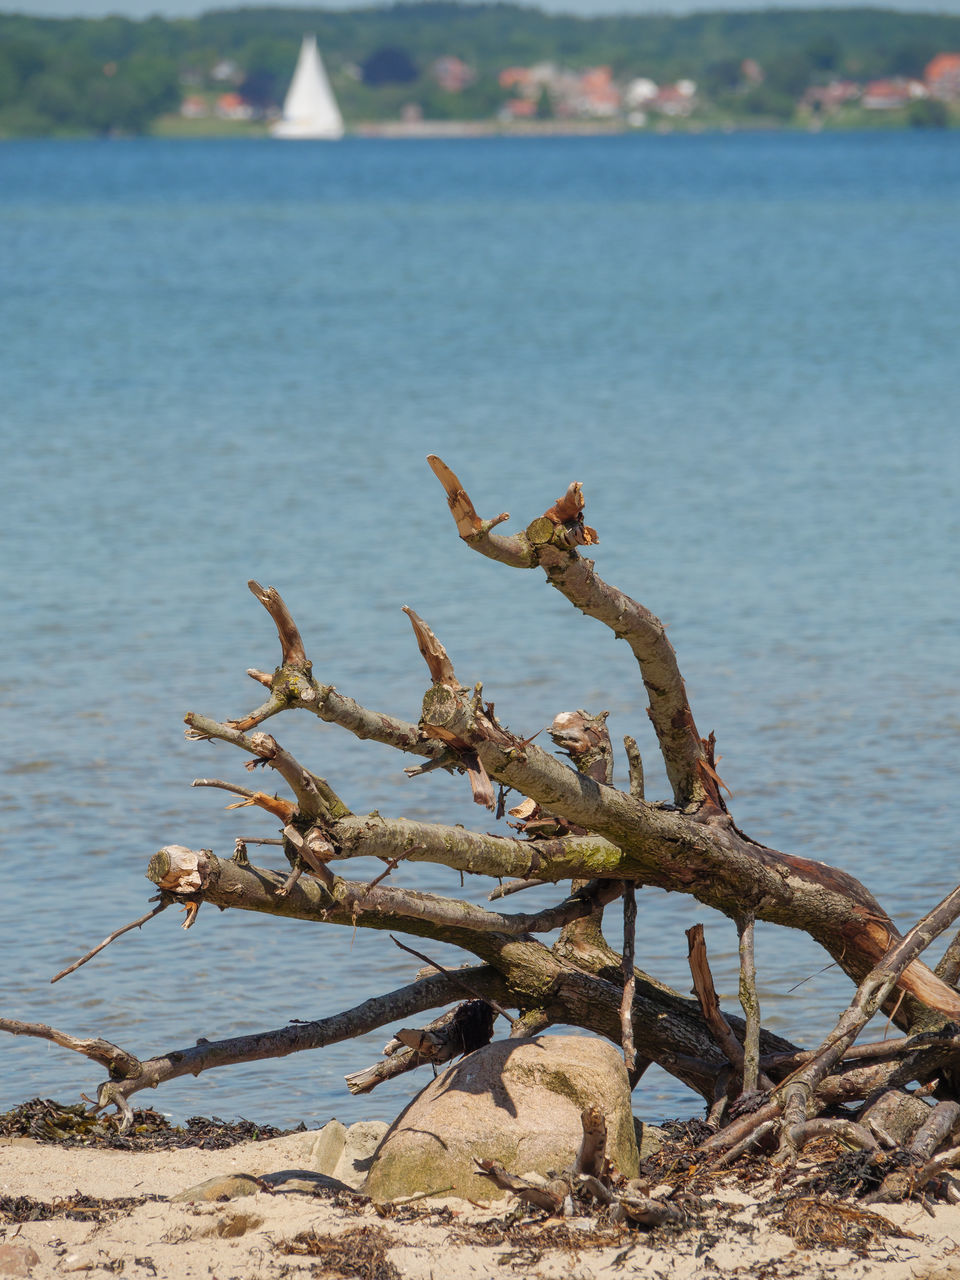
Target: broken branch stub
x,y
292,652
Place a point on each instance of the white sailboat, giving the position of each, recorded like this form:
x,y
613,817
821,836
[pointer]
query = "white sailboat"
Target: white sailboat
x,y
309,110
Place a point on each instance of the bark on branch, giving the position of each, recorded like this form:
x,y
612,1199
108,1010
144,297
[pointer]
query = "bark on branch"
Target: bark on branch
x,y
577,827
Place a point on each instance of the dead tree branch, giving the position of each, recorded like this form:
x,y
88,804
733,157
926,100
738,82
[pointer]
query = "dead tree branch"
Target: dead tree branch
x,y
574,826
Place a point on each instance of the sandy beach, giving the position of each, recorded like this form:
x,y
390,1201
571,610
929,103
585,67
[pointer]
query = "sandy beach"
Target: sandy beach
x,y
293,1221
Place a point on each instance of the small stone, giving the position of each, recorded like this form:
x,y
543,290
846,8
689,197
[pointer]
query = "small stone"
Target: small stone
x,y
303,1180
650,1138
328,1147
17,1259
227,1187
361,1142
234,1224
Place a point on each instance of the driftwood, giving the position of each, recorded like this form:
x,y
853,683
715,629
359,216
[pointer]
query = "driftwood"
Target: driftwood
x,y
571,826
590,1181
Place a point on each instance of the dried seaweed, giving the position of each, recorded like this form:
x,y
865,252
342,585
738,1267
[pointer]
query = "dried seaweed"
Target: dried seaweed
x,y
548,1234
73,1125
822,1222
679,1162
79,1208
855,1173
360,1252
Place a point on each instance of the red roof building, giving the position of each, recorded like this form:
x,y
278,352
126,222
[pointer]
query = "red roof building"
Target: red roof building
x,y
886,95
942,77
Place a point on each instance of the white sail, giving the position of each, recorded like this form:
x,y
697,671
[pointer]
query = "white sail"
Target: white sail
x,y
309,110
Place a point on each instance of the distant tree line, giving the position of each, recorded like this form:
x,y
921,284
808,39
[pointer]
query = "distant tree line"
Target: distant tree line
x,y
113,74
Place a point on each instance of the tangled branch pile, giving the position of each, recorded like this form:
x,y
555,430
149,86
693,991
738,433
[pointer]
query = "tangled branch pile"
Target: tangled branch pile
x,y
574,827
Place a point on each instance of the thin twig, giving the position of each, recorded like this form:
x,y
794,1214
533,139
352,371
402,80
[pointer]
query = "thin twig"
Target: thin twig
x,y
458,982
134,924
392,864
224,786
629,976
512,886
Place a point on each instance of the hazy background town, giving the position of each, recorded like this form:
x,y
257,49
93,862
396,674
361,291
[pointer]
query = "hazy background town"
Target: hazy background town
x,y
444,67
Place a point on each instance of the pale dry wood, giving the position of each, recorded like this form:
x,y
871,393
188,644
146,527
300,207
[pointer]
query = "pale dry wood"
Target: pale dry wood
x,y
629,978
593,1147
549,1196
645,1211
551,542
848,1131
206,1055
118,1061
514,886
315,797
274,804
707,996
434,654
943,1122
798,1093
949,967
756,1134
293,653
750,1004
184,872
456,1032
635,763
721,867
513,551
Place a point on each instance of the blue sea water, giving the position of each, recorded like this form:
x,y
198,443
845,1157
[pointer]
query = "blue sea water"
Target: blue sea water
x,y
225,360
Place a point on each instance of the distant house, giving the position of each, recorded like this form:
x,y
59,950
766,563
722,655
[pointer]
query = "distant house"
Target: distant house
x,y
230,106
519,109
597,95
886,95
520,79
193,107
452,74
675,99
830,97
942,77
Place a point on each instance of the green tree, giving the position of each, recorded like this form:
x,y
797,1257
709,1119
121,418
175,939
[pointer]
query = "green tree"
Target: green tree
x,y
721,76
765,100
825,53
19,60
928,113
789,73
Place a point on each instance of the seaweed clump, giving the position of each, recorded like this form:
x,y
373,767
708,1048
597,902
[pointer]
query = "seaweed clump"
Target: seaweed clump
x,y
72,1125
360,1252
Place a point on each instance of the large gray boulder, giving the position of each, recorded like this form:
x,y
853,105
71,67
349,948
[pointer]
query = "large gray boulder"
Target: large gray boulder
x,y
515,1101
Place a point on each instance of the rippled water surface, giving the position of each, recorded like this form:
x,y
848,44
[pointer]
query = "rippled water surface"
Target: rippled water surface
x,y
229,360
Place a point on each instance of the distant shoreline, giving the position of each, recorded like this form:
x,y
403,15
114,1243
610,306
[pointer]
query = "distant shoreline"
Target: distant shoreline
x,y
487,128
171,128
